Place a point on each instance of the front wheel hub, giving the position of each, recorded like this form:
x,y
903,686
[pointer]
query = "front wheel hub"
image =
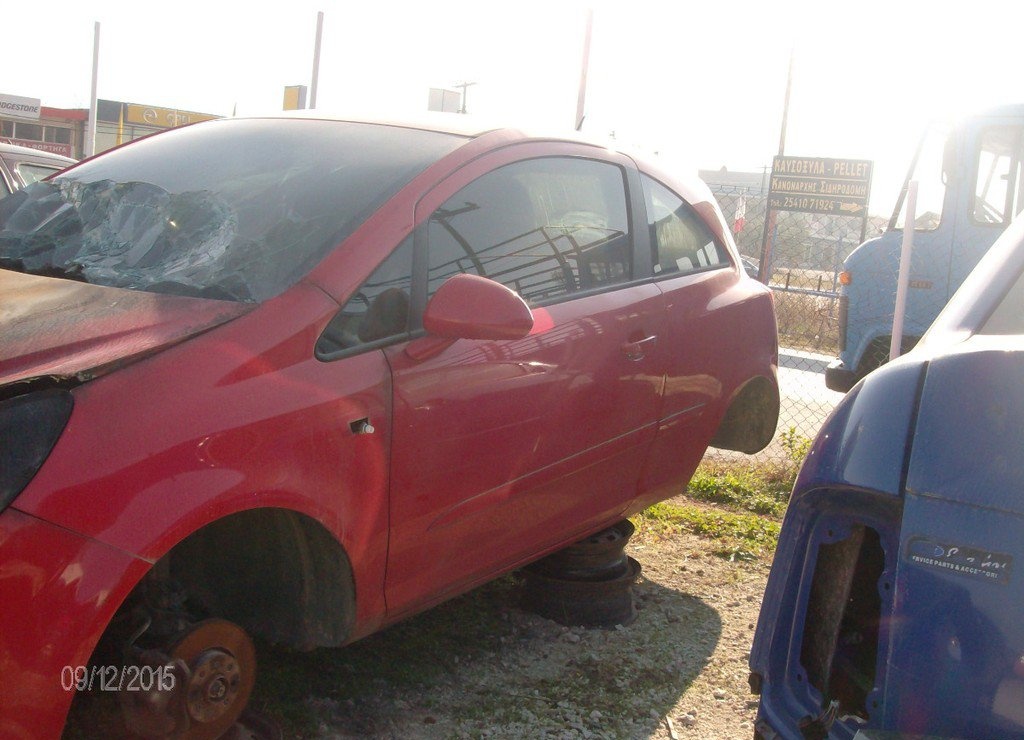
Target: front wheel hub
x,y
213,688
222,663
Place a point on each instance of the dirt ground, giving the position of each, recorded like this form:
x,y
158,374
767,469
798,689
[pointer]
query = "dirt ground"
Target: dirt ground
x,y
480,667
679,671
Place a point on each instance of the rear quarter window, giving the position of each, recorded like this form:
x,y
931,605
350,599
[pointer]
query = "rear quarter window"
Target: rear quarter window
x,y
680,240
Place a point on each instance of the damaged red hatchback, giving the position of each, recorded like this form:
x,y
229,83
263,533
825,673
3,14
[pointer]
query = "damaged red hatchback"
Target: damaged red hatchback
x,y
301,378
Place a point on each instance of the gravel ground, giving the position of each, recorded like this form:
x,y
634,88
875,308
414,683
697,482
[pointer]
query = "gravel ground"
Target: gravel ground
x,y
480,667
679,671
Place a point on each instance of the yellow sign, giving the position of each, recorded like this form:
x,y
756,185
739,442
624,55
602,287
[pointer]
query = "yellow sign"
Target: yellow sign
x,y
148,115
294,97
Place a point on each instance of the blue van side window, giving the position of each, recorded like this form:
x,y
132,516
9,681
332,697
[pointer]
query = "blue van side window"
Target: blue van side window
x,y
999,167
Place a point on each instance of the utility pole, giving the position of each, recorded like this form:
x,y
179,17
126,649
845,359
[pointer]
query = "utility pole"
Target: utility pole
x,y
770,218
785,105
90,137
316,59
464,85
582,95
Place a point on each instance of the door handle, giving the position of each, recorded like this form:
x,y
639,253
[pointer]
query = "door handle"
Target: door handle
x,y
361,426
636,350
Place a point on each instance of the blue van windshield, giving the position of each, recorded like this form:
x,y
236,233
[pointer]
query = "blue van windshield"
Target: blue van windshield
x,y
232,209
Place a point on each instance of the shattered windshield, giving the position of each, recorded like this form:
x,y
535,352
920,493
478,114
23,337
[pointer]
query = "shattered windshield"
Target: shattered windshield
x,y
234,209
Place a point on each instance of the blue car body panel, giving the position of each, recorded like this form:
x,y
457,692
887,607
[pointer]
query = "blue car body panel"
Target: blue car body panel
x,y
895,605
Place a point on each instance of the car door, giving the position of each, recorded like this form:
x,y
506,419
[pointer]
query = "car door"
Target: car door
x,y
711,333
504,448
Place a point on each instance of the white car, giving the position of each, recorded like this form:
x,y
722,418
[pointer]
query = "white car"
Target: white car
x,y
21,166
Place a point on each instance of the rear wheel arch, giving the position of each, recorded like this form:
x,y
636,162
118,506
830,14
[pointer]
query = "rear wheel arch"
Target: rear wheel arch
x,y
750,420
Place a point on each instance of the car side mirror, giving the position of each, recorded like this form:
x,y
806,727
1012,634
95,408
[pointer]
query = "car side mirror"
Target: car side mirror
x,y
473,307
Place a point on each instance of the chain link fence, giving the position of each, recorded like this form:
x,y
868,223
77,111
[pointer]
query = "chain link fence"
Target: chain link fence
x,y
805,253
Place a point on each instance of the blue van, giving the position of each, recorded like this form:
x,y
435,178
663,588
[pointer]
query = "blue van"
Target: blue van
x,y
970,188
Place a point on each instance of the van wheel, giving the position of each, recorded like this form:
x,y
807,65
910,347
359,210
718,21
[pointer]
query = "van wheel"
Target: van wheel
x,y
876,355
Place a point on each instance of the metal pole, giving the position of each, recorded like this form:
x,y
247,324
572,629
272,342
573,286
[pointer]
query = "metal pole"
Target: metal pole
x,y
582,95
785,105
768,240
90,136
904,275
316,59
867,209
764,269
465,86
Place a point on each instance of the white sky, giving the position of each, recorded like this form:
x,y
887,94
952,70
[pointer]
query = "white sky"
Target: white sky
x,y
702,84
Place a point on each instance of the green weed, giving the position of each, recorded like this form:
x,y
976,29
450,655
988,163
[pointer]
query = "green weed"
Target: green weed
x,y
796,445
744,536
741,490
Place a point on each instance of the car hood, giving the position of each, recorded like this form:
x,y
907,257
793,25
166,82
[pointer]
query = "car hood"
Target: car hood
x,y
64,328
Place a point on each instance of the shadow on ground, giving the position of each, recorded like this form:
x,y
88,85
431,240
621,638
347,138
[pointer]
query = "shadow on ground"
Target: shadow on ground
x,y
479,666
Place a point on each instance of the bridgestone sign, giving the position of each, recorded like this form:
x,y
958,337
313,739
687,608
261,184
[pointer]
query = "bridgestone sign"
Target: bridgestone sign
x,y
14,106
840,187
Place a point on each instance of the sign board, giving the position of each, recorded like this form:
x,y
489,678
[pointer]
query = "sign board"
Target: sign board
x,y
15,106
148,115
294,97
445,101
44,146
839,187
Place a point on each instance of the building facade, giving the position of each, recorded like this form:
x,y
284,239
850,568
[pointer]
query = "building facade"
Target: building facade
x,y
26,122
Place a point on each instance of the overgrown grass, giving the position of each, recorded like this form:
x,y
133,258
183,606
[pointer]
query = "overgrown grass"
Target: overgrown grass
x,y
743,536
738,506
742,490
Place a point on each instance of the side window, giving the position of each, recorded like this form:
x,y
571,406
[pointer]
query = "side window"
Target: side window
x,y
934,164
680,241
31,173
546,228
997,190
379,310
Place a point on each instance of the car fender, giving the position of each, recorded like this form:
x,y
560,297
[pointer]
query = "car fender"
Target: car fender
x,y
855,473
221,424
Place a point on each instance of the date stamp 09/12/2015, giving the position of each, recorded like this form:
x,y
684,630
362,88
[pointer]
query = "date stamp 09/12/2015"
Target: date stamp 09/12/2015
x,y
118,678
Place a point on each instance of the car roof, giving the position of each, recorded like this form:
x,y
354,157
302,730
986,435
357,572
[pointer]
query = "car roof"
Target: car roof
x,y
471,126
28,153
1015,110
467,126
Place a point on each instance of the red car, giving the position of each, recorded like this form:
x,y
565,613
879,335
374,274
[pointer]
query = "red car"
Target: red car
x,y
301,378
